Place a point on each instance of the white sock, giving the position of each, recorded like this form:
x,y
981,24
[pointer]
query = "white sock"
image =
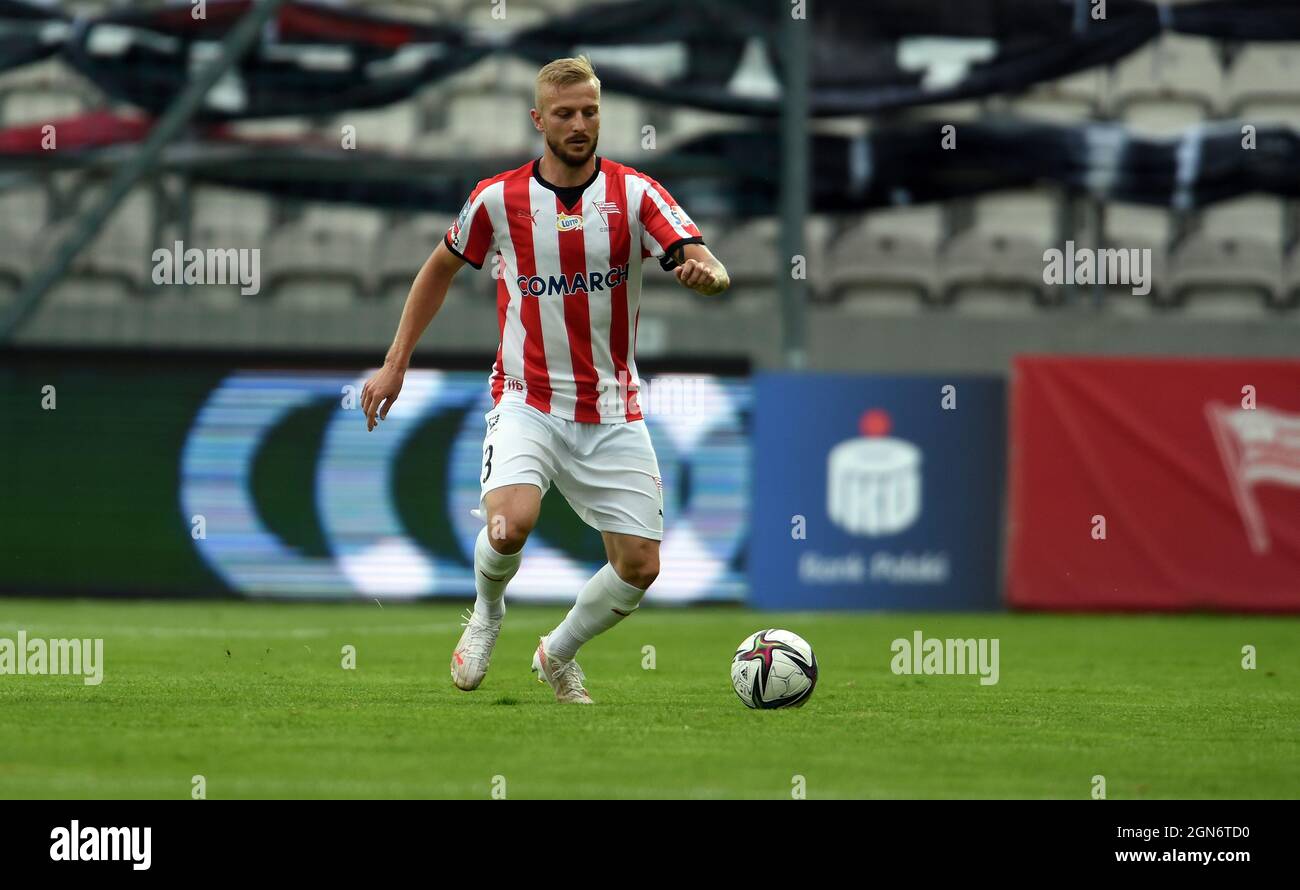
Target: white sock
x,y
492,572
604,601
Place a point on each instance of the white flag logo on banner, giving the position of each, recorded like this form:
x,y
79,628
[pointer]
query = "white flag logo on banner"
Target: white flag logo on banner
x,y
1259,445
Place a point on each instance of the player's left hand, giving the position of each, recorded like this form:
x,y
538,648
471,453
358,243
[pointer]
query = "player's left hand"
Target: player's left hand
x,y
699,277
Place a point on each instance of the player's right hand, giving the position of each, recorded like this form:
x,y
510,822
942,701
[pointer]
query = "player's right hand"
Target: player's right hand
x,y
379,393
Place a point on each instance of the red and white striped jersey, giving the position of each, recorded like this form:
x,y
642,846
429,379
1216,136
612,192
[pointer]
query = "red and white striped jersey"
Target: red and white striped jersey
x,y
570,283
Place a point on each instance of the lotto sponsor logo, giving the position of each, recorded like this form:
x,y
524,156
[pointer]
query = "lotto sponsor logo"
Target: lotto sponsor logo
x,y
567,222
577,283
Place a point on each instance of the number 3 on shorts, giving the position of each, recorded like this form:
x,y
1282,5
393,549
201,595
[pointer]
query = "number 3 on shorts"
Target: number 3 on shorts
x,y
487,463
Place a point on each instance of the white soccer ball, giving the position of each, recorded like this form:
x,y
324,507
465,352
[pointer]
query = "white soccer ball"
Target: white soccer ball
x,y
774,669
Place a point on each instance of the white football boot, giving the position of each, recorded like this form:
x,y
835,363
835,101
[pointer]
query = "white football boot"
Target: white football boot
x,y
469,661
565,677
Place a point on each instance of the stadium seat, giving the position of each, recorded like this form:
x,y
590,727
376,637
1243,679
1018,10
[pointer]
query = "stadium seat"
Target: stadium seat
x,y
748,250
388,128
661,298
891,250
676,126
1276,111
653,336
304,289
549,9
1234,256
23,214
219,210
356,219
401,250
46,70
1263,73
880,298
315,267
24,210
125,244
461,326
967,111
746,300
1004,247
1230,304
662,295
1174,70
996,300
121,250
478,123
622,119
518,15
225,236
80,289
503,73
494,79
1074,99
1137,227
1291,279
15,255
696,326
277,128
38,103
1162,119
426,12
44,91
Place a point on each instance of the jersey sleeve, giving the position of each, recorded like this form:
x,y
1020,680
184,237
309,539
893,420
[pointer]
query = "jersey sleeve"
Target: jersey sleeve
x,y
470,236
664,224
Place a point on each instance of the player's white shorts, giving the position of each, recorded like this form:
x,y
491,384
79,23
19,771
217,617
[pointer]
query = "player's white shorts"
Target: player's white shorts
x,y
607,472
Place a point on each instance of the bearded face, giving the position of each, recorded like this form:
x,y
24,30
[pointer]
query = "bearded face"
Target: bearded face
x,y
569,118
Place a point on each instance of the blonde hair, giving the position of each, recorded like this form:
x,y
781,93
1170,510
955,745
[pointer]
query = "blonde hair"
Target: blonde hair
x,y
564,72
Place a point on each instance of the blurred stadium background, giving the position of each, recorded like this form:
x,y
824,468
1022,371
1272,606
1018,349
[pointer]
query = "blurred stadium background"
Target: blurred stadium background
x,y
917,258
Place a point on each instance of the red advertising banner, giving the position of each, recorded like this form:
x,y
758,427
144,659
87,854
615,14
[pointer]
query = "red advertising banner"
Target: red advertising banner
x,y
1154,484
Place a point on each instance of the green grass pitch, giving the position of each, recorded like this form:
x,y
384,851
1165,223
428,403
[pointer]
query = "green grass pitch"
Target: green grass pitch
x,y
253,697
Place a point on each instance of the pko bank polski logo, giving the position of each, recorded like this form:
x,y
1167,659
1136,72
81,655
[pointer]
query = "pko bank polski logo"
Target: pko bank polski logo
x,y
873,482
